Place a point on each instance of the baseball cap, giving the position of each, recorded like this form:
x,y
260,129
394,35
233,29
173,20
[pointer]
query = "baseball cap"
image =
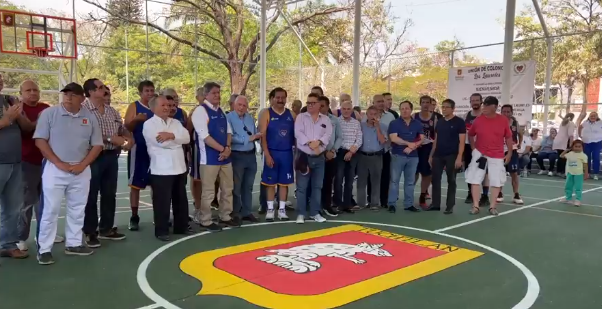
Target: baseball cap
x,y
491,101
74,87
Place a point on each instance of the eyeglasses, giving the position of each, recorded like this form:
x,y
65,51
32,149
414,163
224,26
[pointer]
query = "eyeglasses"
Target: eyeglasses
x,y
247,130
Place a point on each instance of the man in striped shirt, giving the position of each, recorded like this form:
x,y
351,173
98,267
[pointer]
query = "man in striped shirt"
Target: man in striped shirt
x,y
106,166
346,158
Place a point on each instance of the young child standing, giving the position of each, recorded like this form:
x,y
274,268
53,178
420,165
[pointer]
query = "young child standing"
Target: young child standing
x,y
576,171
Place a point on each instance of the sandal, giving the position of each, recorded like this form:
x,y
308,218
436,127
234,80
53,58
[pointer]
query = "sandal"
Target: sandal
x,y
475,210
493,211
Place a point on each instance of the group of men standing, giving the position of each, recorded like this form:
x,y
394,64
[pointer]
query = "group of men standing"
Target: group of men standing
x,y
71,151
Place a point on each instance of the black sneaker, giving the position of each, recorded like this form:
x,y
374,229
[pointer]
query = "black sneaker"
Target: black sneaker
x,y
412,209
330,212
45,259
92,241
392,209
263,211
134,223
250,218
215,205
80,250
468,199
163,237
375,208
433,208
449,210
212,227
484,201
111,235
233,222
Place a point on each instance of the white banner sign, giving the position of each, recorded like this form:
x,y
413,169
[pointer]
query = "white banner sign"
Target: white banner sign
x,y
487,80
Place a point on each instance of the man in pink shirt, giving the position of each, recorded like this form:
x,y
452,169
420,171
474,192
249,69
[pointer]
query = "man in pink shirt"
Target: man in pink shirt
x,y
313,132
490,130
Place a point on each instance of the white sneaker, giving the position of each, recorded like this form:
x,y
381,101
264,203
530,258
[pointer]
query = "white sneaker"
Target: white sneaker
x,y
196,217
550,173
318,218
541,173
59,239
22,246
300,219
269,216
500,199
577,203
595,177
518,200
288,203
564,200
282,215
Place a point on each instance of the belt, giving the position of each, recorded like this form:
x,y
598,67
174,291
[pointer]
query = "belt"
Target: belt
x,y
370,154
315,155
252,151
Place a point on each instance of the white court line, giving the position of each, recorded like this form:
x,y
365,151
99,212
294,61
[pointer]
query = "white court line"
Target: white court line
x,y
507,212
153,306
526,302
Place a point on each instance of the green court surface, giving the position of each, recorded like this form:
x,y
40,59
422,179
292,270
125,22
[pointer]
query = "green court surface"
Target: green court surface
x,y
543,254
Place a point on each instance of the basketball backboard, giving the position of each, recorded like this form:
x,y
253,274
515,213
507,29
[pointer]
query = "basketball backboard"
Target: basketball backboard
x,y
37,35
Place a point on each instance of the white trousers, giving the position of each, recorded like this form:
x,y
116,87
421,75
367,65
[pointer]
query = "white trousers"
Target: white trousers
x,y
57,184
495,170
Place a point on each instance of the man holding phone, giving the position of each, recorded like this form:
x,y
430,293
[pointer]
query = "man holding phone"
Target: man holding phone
x,y
490,130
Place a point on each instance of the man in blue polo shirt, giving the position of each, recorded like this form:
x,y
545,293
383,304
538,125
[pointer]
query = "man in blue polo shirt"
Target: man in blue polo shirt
x,y
405,134
244,162
69,137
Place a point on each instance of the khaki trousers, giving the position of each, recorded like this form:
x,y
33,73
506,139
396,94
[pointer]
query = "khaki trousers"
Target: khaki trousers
x,y
209,174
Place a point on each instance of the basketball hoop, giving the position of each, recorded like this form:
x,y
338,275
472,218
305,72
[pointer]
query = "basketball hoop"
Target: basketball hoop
x,y
40,52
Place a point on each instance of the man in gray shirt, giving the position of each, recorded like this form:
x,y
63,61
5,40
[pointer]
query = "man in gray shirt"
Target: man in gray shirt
x,y
69,137
12,121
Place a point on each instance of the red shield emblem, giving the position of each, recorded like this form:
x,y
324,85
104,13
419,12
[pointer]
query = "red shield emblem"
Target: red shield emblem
x,y
85,121
320,269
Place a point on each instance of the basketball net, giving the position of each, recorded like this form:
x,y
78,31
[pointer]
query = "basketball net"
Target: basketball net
x,y
40,52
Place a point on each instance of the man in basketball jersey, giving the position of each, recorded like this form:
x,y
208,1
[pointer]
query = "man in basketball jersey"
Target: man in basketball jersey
x,y
277,124
428,120
214,143
138,159
512,166
476,100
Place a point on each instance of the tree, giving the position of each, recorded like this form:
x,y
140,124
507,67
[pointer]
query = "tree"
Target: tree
x,y
229,28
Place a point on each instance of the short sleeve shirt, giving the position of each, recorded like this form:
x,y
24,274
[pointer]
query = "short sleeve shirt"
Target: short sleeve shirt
x,y
70,136
574,162
409,132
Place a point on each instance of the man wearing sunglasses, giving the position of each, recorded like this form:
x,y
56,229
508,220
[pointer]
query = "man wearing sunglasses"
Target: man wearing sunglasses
x,y
244,162
105,168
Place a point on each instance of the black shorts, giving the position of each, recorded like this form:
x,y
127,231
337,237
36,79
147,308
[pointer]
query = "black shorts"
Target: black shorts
x,y
512,166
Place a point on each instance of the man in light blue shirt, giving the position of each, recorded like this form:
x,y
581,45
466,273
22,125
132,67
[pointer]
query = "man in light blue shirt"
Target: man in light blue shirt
x,y
370,161
244,162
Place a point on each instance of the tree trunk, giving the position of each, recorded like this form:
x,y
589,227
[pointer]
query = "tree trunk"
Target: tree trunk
x,y
569,97
238,80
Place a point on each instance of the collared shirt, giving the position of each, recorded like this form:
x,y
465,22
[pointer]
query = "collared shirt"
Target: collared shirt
x,y
337,138
166,158
242,128
307,130
385,119
370,141
110,122
591,131
70,136
352,133
409,132
200,121
30,152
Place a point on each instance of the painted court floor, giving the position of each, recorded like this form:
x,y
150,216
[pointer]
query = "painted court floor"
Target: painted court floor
x,y
544,254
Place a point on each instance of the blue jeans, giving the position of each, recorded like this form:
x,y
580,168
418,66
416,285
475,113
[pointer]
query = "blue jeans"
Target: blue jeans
x,y
407,166
592,150
11,202
315,176
244,168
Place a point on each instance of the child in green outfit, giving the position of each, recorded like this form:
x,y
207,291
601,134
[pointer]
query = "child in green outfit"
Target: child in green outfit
x,y
576,171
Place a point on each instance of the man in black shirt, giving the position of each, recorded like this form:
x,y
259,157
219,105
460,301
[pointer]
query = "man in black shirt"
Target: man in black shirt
x,y
447,153
389,103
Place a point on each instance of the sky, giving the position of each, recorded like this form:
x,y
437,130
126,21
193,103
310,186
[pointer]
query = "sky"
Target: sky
x,y
473,22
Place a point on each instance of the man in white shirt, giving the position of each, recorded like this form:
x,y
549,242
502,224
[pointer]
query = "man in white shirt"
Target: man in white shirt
x,y
164,138
214,142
